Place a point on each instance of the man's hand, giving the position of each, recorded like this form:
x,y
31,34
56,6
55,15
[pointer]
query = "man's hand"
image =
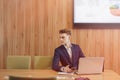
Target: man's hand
x,y
67,69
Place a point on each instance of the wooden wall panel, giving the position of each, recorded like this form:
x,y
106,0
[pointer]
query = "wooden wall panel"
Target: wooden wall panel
x,y
30,27
1,34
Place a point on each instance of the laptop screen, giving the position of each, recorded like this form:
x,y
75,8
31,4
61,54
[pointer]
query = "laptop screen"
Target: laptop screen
x,y
91,65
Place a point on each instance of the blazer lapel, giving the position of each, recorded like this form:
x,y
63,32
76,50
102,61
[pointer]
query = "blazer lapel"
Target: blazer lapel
x,y
73,53
66,54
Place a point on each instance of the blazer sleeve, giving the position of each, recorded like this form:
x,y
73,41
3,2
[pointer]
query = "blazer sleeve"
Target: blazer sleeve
x,y
56,60
80,52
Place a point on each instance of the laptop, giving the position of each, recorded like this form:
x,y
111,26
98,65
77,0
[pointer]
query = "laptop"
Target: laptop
x,y
91,65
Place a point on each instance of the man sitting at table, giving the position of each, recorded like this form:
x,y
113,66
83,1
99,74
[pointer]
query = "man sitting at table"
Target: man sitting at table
x,y
66,56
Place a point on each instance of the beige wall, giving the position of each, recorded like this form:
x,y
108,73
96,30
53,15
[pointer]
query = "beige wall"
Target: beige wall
x,y
30,27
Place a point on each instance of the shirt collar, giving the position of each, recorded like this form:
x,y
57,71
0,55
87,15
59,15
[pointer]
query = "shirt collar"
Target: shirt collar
x,y
68,46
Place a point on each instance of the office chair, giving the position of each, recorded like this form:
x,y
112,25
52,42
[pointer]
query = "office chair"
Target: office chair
x,y
43,62
30,78
18,62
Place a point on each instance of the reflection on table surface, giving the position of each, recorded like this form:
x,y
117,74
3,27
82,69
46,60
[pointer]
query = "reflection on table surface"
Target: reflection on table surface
x,y
106,75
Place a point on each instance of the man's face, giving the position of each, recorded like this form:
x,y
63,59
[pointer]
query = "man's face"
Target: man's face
x,y
64,38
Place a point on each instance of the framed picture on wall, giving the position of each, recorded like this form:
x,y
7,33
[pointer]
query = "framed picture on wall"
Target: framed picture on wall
x,y
96,11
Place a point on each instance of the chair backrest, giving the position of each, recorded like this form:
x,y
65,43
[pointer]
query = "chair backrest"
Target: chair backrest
x,y
18,62
30,78
43,62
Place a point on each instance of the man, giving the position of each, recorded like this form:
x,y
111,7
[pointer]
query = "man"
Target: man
x,y
67,54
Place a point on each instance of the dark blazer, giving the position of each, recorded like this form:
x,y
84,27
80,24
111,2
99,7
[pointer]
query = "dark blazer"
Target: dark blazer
x,y
61,55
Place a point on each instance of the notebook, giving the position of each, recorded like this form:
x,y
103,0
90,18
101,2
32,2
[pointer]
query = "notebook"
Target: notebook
x,y
90,65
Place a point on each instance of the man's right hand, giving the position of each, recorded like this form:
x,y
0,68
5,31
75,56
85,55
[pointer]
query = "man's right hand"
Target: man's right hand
x,y
67,69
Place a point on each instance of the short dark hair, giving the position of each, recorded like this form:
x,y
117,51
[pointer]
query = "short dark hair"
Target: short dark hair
x,y
68,32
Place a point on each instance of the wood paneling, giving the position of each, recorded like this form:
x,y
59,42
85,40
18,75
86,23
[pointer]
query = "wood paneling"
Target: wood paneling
x,y
30,27
1,34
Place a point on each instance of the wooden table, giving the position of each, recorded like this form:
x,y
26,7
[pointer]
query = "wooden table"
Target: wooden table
x,y
4,73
